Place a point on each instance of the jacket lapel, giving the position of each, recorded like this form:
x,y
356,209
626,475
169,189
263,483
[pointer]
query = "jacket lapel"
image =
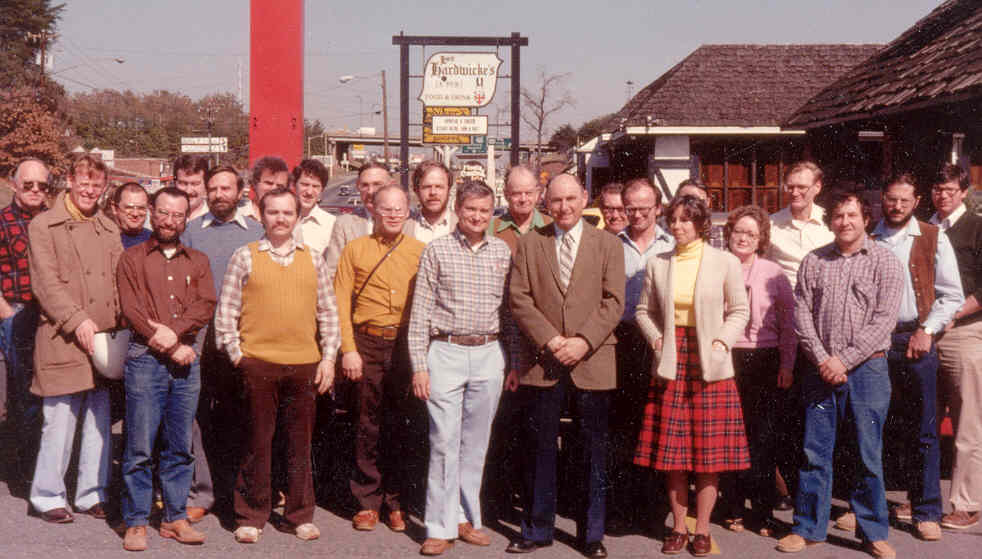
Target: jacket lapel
x,y
582,262
547,244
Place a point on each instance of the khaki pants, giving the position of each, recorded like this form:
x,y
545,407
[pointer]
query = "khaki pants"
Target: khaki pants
x,y
960,388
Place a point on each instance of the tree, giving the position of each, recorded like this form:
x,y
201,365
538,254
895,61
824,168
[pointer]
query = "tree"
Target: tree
x,y
313,133
28,129
538,104
25,27
595,127
564,138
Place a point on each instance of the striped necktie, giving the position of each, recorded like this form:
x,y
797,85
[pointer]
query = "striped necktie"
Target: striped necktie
x,y
566,260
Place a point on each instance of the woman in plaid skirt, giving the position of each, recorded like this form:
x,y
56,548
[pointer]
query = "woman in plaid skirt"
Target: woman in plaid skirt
x,y
693,308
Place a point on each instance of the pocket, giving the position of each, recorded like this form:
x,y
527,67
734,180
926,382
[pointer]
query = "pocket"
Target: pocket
x,y
719,362
864,291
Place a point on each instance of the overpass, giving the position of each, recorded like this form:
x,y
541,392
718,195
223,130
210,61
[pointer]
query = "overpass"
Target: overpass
x,y
340,144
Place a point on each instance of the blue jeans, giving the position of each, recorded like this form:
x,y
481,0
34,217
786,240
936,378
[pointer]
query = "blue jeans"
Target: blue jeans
x,y
859,407
160,395
915,390
24,409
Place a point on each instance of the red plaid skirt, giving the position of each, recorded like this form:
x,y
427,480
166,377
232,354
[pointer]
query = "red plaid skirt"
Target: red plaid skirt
x,y
690,424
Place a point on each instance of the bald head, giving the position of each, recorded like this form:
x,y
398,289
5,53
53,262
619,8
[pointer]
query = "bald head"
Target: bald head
x,y
566,199
390,207
31,184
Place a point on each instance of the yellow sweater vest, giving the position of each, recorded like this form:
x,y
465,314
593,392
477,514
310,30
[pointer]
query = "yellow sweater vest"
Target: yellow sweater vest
x,y
278,322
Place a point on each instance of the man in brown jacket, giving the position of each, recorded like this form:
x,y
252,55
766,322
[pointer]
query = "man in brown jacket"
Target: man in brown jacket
x,y
567,295
74,251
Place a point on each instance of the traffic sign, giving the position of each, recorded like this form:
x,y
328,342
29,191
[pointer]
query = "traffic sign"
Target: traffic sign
x,y
204,144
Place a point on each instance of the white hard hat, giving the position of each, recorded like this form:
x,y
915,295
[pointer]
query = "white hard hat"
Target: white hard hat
x,y
110,353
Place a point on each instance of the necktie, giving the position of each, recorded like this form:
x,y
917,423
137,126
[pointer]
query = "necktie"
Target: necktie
x,y
566,260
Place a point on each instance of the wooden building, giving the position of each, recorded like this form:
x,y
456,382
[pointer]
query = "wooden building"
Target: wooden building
x,y
915,104
718,115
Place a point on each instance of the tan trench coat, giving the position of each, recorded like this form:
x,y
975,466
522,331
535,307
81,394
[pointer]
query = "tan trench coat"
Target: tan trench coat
x,y
73,274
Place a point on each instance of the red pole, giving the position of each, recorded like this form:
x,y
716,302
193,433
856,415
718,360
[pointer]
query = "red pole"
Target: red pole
x,y
276,80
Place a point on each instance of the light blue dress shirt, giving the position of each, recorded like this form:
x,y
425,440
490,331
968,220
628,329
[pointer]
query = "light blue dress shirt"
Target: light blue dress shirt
x,y
634,264
947,282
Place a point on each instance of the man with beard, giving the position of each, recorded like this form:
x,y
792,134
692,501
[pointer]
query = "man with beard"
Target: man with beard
x,y
434,219
932,295
129,204
315,225
218,234
167,294
19,312
189,177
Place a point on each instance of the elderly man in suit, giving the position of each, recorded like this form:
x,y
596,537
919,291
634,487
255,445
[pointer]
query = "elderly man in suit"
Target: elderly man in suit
x,y
567,296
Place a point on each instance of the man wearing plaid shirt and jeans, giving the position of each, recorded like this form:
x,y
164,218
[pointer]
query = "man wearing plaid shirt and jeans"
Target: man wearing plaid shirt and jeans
x,y
846,304
278,322
459,363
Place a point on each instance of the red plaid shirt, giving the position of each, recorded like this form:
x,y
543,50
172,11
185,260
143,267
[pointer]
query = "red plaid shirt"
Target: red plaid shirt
x,y
15,274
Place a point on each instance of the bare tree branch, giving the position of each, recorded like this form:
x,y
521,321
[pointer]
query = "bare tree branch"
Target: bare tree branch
x,y
550,97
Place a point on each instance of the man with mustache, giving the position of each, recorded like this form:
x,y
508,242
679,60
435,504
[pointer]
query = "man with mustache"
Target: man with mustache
x,y
167,295
931,296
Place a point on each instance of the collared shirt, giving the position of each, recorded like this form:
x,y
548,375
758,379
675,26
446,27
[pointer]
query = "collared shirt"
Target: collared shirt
x,y
846,305
15,272
426,232
947,283
175,291
460,290
506,221
792,239
948,222
575,233
220,239
230,302
314,230
383,300
202,210
239,218
133,239
634,265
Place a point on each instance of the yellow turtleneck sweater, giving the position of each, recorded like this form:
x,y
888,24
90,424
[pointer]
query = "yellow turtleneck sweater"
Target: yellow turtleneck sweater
x,y
687,259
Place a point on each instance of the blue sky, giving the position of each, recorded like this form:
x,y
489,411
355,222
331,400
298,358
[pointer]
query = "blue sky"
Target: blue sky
x,y
197,47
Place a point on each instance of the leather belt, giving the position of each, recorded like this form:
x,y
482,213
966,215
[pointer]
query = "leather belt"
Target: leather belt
x,y
384,332
877,354
466,340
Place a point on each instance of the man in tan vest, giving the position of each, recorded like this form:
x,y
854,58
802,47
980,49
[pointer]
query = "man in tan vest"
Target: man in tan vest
x,y
278,323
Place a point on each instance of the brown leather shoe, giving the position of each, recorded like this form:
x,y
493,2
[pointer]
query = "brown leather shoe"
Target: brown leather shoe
x,y
97,510
467,533
793,543
701,545
59,515
674,542
135,538
928,531
196,514
182,531
435,546
395,521
880,549
365,520
960,519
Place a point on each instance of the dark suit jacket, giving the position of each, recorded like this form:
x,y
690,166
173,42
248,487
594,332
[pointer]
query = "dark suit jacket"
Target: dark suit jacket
x,y
591,307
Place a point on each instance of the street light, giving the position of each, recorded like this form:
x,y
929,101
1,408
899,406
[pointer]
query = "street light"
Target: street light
x,y
385,110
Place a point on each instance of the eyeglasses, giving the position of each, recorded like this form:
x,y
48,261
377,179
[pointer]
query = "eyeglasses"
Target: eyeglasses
x,y
389,212
640,210
798,187
612,210
945,191
40,186
744,234
164,214
131,209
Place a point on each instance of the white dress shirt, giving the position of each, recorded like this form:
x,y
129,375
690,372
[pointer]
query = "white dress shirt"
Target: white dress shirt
x,y
792,239
314,230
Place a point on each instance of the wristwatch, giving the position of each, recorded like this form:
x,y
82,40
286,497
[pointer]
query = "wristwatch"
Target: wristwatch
x,y
927,330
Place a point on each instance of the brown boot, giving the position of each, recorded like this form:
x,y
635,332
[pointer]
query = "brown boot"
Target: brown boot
x,y
182,531
135,538
434,546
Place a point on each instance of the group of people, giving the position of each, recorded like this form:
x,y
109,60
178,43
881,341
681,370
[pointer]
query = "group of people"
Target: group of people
x,y
672,354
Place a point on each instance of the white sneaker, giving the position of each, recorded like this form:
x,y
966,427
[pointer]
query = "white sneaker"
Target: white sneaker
x,y
307,531
247,534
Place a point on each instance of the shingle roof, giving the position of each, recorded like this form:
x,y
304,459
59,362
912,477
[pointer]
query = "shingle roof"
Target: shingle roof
x,y
938,60
741,85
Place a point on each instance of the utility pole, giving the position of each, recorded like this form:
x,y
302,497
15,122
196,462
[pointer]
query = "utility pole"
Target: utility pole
x,y
385,121
42,38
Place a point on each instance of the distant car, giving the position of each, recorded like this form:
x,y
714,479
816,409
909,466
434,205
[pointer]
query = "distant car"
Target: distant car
x,y
500,211
354,201
344,191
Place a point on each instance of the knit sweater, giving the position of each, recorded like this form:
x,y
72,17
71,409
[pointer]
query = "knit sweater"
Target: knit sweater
x,y
219,240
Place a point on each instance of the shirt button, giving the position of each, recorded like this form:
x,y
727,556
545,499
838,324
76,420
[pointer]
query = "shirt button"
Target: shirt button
x,y
170,278
174,315
393,291
171,296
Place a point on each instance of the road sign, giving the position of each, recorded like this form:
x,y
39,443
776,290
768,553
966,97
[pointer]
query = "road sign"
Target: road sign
x,y
478,145
460,79
430,138
477,125
218,144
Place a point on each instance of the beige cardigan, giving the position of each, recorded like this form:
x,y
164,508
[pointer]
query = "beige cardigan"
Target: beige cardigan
x,y
721,311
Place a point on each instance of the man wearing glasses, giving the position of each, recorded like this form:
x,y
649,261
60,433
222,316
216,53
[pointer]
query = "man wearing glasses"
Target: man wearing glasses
x,y
612,208
960,347
19,312
375,276
642,239
130,202
798,229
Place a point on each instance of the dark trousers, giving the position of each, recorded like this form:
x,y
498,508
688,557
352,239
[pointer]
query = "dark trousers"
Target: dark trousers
x,y
276,391
23,408
544,407
912,427
383,438
765,412
629,498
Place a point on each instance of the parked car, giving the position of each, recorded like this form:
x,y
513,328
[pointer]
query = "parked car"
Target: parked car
x,y
344,190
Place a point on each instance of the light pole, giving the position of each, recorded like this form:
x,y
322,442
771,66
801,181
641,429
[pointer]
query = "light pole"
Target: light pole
x,y
385,109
